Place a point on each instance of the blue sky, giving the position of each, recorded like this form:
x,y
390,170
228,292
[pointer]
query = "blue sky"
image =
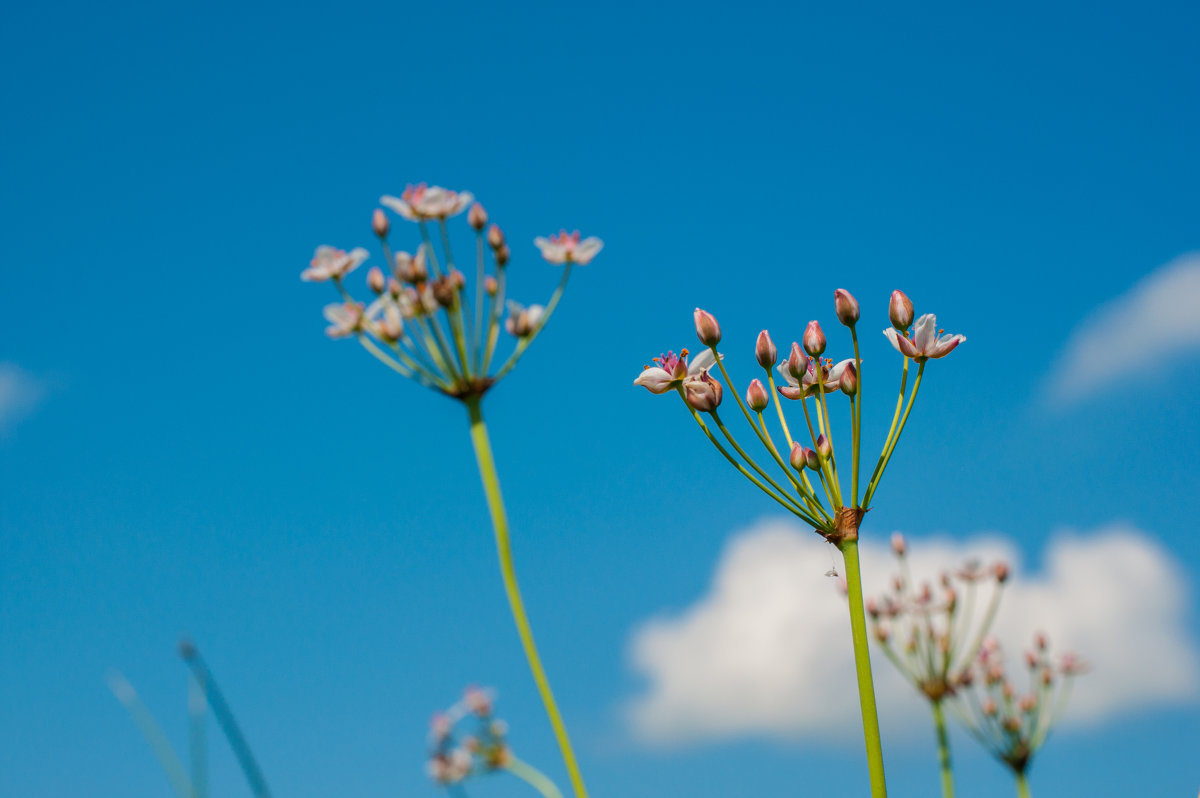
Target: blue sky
x,y
189,454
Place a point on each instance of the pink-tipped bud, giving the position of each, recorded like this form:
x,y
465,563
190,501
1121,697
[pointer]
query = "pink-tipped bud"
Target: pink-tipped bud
x,y
707,329
1000,569
380,223
764,350
797,361
811,459
392,326
849,381
375,280
1040,641
1027,703
797,458
395,287
490,286
495,237
502,254
846,307
883,632
756,396
900,311
477,217
824,447
872,607
1047,677
814,339
1031,660
899,546
703,395
989,707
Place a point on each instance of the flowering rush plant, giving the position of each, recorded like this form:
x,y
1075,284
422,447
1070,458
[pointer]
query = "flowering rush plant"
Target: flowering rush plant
x,y
810,484
932,634
426,324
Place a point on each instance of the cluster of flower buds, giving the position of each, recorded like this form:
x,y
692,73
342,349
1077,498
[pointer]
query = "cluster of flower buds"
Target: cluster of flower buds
x,y
453,760
810,467
1012,724
422,321
933,633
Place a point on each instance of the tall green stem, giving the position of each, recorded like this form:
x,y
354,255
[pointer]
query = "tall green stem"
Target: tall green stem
x,y
491,488
939,723
862,667
1022,786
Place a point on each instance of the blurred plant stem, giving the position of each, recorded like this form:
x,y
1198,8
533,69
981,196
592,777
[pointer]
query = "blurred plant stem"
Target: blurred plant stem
x,y
939,723
862,667
1022,786
533,777
491,488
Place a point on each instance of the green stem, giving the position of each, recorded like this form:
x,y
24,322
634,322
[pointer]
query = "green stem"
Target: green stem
x,y
862,667
533,777
491,488
1022,786
939,723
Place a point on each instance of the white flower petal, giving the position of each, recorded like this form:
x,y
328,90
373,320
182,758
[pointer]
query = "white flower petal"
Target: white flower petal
x,y
925,333
702,362
654,379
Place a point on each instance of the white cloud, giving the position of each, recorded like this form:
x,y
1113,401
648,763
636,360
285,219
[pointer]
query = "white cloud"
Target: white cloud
x,y
767,650
1153,322
19,392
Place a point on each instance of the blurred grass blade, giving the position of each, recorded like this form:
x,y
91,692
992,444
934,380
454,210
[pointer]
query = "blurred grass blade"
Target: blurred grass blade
x,y
153,733
197,735
224,716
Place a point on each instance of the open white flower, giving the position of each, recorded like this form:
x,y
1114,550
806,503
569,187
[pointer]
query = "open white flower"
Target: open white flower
x,y
567,248
345,319
421,202
925,342
807,384
673,370
523,321
330,263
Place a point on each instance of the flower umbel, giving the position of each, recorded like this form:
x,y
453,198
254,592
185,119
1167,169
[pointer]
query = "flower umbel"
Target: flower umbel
x,y
451,344
568,248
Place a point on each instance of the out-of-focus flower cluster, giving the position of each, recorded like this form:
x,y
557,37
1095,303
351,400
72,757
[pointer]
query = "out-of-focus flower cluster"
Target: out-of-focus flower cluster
x,y
1010,722
932,633
423,321
454,759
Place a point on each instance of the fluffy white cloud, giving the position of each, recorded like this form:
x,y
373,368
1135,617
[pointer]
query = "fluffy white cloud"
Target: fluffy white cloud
x,y
19,392
767,651
1152,323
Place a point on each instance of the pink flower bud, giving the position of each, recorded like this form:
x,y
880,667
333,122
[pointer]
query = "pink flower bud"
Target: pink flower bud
x,y
756,396
898,544
872,608
477,217
989,707
375,280
1027,703
495,237
1040,641
764,350
703,395
811,458
824,446
380,223
900,311
1001,571
797,361
797,457
849,381
846,307
707,329
814,339
490,286
502,252
392,326
883,632
395,287
1031,660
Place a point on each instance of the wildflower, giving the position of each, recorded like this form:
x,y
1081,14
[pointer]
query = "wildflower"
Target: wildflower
x,y
411,268
477,217
814,339
900,311
420,203
925,343
567,248
331,263
806,385
379,223
756,396
523,321
345,319
707,329
703,394
764,350
673,370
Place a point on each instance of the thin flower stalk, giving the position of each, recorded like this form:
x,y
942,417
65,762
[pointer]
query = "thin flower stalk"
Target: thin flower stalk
x,y
837,515
426,325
